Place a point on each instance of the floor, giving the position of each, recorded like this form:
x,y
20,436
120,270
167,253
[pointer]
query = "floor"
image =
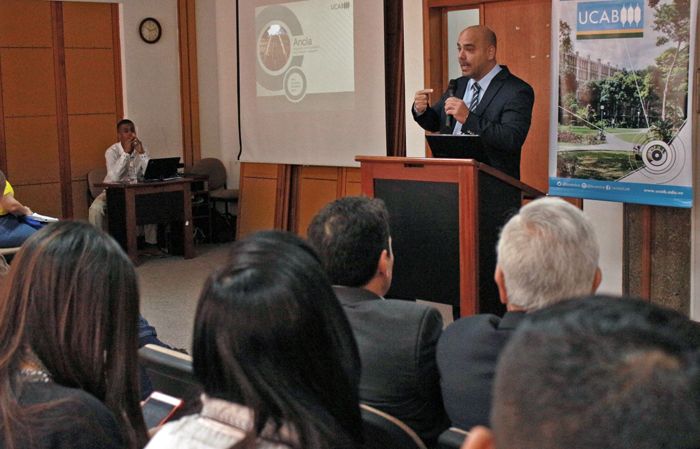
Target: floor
x,y
170,289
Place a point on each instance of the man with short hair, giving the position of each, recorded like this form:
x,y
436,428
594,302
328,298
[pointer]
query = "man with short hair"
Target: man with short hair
x,y
396,339
126,162
597,373
488,101
546,253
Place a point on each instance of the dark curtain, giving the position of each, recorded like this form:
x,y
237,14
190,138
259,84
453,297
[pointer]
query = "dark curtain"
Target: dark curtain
x,y
394,78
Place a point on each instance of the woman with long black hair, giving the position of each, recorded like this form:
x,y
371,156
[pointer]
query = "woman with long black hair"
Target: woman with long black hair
x,y
274,353
68,341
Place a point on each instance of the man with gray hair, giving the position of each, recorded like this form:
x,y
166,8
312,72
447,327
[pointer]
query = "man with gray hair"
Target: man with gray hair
x,y
546,253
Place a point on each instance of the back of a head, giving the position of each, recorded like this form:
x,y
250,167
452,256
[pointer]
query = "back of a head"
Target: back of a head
x,y
547,252
270,334
599,372
72,299
349,235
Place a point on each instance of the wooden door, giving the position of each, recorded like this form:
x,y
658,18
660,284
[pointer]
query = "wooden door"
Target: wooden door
x,y
524,30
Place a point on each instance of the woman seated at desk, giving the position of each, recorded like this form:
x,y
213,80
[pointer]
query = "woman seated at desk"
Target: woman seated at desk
x,y
13,230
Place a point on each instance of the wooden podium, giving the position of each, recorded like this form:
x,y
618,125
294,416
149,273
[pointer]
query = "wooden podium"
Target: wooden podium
x,y
446,215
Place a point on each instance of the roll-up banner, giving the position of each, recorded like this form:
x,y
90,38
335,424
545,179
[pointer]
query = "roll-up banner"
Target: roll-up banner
x,y
621,116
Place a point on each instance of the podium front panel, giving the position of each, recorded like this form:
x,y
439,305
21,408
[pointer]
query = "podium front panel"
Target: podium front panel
x,y
424,220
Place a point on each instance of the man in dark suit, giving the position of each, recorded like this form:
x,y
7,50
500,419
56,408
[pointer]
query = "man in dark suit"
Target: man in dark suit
x,y
546,253
598,372
396,339
488,101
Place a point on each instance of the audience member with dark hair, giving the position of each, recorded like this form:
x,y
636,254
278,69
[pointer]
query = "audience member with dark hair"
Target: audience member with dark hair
x,y
396,338
13,230
68,373
547,252
274,353
597,373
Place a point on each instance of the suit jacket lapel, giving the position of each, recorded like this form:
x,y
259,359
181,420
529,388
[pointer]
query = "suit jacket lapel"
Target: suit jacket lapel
x,y
494,86
462,83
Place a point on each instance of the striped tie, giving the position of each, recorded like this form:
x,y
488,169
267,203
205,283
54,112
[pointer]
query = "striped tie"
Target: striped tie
x,y
475,96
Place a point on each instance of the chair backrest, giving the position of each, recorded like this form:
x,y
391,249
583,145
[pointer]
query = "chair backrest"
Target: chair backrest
x,y
96,176
213,168
452,438
385,431
170,372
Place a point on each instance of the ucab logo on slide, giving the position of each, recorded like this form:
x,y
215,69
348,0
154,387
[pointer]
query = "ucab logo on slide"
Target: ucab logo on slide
x,y
609,20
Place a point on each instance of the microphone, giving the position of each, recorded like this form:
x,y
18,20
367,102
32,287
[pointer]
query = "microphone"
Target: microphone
x,y
451,87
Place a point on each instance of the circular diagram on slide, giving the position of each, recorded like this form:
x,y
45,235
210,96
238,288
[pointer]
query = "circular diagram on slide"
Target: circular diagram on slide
x,y
295,84
276,27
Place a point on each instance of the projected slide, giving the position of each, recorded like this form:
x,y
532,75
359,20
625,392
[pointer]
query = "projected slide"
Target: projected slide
x,y
304,48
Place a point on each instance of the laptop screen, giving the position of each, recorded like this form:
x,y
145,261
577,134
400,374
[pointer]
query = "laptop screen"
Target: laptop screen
x,y
456,147
161,168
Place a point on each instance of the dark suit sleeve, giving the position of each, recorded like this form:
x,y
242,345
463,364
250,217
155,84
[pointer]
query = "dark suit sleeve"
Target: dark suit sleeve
x,y
429,377
432,118
508,133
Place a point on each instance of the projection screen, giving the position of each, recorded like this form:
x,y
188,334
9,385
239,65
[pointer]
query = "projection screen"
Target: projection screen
x,y
311,81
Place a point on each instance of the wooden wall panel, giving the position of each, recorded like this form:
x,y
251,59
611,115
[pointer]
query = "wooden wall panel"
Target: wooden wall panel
x,y
317,186
352,182
42,198
87,25
93,86
25,23
264,197
28,87
90,81
189,81
90,135
523,28
80,200
258,200
266,191
32,150
60,96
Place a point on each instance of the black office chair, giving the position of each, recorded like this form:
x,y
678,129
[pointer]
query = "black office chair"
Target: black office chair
x,y
171,373
452,438
223,226
383,431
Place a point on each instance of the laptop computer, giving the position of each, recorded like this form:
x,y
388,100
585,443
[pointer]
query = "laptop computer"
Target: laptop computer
x,y
161,169
457,147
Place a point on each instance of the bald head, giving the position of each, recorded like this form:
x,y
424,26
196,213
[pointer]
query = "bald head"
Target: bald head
x,y
486,33
476,48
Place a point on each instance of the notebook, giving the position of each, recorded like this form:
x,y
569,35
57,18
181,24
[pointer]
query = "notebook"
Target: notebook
x,y
162,169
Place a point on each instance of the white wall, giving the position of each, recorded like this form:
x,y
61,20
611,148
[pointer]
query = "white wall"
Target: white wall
x,y
607,220
151,76
218,97
415,79
607,217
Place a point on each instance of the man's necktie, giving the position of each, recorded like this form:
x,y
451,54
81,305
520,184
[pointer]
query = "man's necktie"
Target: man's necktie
x,y
475,96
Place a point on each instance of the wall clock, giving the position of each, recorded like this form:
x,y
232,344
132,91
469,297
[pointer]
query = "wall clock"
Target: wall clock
x,y
150,30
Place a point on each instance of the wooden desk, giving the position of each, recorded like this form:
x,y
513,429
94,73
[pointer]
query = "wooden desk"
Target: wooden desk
x,y
132,205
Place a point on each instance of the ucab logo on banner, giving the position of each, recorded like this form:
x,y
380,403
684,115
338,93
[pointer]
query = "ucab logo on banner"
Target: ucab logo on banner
x,y
609,20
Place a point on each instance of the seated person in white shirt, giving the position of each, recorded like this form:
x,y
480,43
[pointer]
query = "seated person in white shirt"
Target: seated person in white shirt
x,y
126,162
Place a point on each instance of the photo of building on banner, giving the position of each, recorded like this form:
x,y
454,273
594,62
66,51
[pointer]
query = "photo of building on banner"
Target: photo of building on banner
x,y
621,129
